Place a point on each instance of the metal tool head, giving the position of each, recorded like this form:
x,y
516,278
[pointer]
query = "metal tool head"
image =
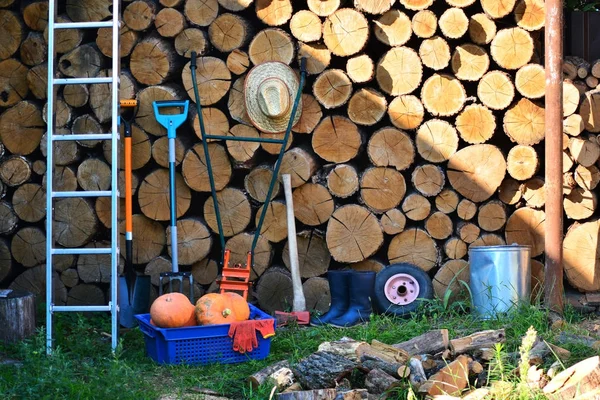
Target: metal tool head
x,y
176,276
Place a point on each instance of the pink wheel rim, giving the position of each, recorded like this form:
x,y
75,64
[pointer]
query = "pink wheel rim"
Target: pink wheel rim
x,y
401,289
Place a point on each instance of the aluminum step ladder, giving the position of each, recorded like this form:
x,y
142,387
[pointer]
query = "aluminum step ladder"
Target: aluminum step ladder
x,y
51,195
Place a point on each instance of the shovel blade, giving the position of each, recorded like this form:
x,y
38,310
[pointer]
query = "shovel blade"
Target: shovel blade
x,y
133,301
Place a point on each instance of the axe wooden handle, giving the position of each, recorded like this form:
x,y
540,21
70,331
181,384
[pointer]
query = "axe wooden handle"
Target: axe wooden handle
x,y
299,300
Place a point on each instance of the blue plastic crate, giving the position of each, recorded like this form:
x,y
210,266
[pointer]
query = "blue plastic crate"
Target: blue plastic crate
x,y
199,345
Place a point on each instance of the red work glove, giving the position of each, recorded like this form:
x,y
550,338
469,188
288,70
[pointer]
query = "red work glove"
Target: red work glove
x,y
265,327
244,336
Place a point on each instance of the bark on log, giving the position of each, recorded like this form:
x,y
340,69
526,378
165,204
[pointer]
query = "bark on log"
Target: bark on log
x,y
378,381
345,347
353,234
580,378
414,246
432,342
17,316
322,370
272,372
477,340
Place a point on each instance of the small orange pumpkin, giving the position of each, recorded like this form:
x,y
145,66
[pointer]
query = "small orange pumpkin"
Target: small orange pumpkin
x,y
171,310
239,306
213,308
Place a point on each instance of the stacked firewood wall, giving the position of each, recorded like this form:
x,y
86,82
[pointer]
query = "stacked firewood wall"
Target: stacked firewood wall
x,y
421,135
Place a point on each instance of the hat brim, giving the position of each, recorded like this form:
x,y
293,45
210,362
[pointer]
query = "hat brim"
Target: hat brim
x,y
257,75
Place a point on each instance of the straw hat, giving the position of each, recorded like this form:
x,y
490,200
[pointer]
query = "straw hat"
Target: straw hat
x,y
269,92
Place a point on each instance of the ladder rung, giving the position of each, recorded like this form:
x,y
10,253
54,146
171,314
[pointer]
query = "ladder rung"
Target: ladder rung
x,y
83,193
80,308
83,136
82,81
85,250
83,25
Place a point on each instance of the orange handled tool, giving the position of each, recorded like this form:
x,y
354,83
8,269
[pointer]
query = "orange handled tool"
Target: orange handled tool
x,y
128,186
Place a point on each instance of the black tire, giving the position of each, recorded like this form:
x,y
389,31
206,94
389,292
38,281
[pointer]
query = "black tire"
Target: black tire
x,y
385,306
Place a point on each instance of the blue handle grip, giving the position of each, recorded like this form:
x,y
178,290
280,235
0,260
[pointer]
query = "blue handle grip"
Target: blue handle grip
x,y
171,121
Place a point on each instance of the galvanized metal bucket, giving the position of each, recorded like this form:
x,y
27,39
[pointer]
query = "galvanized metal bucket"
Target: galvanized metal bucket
x,y
500,278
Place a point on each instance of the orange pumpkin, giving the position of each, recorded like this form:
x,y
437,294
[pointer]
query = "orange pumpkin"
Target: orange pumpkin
x,y
214,308
239,306
171,310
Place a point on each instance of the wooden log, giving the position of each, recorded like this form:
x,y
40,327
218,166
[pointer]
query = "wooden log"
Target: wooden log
x,y
466,176
496,90
274,149
139,14
435,53
432,342
451,380
389,147
21,128
193,240
498,9
145,114
447,201
382,189
571,98
37,81
416,4
522,162
62,113
69,277
300,164
428,179
437,141
229,32
93,174
86,294
33,49
534,192
169,22
491,216
592,82
512,48
142,149
84,60
587,177
235,5
15,171
467,231
348,243
439,225
393,28
336,139
271,44
416,207
274,290
194,169
38,167
34,280
128,39
322,370
424,24
470,62
453,23
94,10
590,103
526,226
242,153
580,378
274,227
450,103
29,202
378,381
406,112
76,95
215,122
275,373
477,340
205,271
530,81
17,314
92,268
75,222
8,218
153,195
27,246
323,8
342,181
256,183
240,245
476,124
313,256
399,71
306,26
414,246
345,32
530,14
149,238
460,3
417,374
360,68
190,40
509,191
155,267
65,40
170,3
584,152
13,31
367,107
317,55
482,29
368,265
274,13
580,249
313,205
580,204
317,293
345,347
152,61
234,208
466,210
13,82
104,211
450,280
64,179
332,88
595,68
238,62
455,248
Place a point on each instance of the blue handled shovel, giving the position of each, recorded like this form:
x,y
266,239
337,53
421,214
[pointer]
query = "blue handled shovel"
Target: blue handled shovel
x,y
171,122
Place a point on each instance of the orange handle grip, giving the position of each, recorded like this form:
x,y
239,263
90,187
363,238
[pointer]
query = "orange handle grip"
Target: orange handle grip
x,y
128,103
128,191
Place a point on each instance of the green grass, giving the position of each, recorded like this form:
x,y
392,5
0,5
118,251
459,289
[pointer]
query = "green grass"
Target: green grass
x,y
83,367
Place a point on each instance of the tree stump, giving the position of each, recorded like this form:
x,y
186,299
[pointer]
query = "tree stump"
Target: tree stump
x,y
17,316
